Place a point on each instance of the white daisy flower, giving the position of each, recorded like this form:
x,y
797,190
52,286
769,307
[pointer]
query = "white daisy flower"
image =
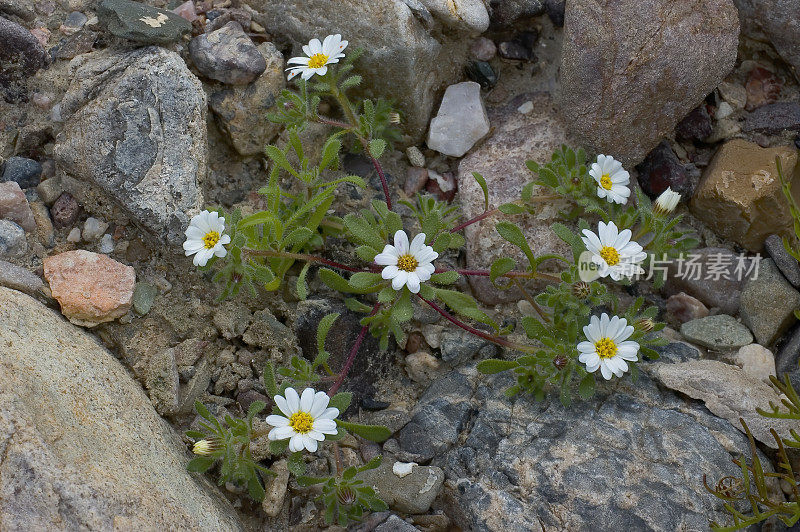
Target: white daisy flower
x,y
205,238
307,419
319,56
607,347
612,179
613,251
407,265
667,201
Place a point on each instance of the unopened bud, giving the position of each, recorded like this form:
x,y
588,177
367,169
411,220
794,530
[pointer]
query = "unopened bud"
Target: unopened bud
x,y
581,290
394,118
346,495
560,362
667,202
644,324
205,447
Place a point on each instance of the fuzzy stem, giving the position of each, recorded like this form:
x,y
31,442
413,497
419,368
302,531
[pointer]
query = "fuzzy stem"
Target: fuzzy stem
x,y
305,257
530,299
472,330
352,356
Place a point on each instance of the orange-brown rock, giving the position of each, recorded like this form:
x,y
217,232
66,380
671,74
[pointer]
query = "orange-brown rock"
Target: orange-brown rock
x,y
91,288
740,195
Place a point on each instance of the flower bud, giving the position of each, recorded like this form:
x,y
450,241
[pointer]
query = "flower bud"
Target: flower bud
x,y
667,202
560,362
581,290
205,447
644,324
394,118
346,495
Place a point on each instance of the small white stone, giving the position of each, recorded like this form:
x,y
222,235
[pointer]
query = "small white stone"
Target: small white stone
x,y
755,360
526,107
106,244
93,229
74,236
415,156
403,469
724,110
461,121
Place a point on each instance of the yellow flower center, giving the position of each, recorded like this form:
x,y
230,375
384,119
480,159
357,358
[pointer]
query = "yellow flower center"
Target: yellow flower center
x,y
211,239
606,348
605,182
407,263
317,61
610,255
301,422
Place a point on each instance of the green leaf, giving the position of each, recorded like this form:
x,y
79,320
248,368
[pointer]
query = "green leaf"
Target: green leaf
x,y
495,365
387,295
279,158
334,280
255,408
586,387
365,280
376,147
403,311
269,379
482,183
278,446
302,286
203,411
297,237
258,219
376,433
445,277
254,488
357,306
548,177
324,326
296,465
363,231
501,267
565,233
511,208
513,234
341,401
330,153
200,464
534,328
372,464
366,253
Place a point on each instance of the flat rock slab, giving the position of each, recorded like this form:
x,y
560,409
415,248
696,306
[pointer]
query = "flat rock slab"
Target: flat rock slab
x,y
730,393
82,446
91,288
768,303
139,22
717,332
135,127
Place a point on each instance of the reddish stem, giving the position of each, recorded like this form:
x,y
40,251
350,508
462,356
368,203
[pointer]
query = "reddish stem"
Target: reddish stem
x,y
352,356
379,169
478,218
472,330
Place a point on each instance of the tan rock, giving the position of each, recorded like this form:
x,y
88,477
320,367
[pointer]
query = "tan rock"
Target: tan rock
x,y
14,206
740,194
83,448
422,367
91,288
755,360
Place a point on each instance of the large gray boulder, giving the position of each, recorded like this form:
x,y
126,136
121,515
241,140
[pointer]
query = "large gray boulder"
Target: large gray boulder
x,y
135,127
631,458
82,448
402,60
777,21
632,69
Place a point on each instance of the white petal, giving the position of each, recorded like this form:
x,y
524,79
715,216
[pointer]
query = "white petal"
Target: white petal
x,y
325,426
293,400
387,258
277,421
413,282
315,46
301,60
401,242
321,401
399,280
390,272
322,70
417,244
329,413
586,347
605,371
310,444
296,443
307,400
423,274
281,433
315,435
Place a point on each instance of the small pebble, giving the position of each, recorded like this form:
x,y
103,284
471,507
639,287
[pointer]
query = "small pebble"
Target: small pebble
x,y
403,469
526,107
483,49
49,190
25,172
73,23
143,296
106,244
415,156
724,110
65,210
12,239
74,236
93,229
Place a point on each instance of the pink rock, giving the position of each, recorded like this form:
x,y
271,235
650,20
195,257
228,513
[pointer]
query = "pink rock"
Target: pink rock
x,y
42,35
91,288
186,10
483,49
686,308
14,206
415,180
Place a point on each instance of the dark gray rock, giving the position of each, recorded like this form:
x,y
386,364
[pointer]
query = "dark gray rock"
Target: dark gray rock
x,y
661,169
143,296
632,458
458,345
717,332
776,21
412,494
555,10
675,352
694,276
139,22
227,55
26,172
503,13
787,357
768,303
520,47
773,118
21,55
787,264
640,97
135,127
395,524
696,125
12,239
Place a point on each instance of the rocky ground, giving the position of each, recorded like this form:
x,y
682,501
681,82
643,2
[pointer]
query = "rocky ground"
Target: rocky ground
x,y
119,121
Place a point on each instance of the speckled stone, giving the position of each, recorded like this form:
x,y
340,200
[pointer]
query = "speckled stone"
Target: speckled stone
x,y
717,332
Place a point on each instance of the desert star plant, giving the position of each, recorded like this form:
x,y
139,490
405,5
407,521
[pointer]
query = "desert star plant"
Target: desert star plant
x,y
318,56
613,251
205,237
607,346
407,265
612,180
306,420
